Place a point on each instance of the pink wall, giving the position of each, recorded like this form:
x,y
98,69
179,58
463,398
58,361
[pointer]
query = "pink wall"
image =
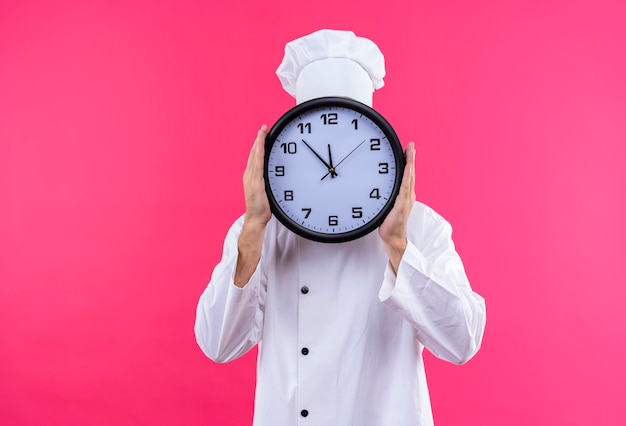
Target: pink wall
x,y
124,129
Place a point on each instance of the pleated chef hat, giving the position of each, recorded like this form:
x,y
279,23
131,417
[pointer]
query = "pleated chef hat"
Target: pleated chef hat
x,y
332,63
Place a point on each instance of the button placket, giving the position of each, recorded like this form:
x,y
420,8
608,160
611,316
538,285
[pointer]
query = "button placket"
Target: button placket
x,y
304,351
308,336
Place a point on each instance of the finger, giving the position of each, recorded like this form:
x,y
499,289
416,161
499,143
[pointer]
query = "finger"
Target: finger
x,y
411,161
258,145
410,154
407,176
260,148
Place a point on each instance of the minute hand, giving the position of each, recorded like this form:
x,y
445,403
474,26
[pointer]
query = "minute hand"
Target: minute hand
x,y
331,170
344,158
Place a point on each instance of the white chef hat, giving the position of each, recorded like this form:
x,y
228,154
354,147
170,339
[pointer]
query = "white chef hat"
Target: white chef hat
x,y
332,63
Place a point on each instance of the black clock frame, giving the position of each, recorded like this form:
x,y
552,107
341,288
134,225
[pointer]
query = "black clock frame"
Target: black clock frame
x,y
377,119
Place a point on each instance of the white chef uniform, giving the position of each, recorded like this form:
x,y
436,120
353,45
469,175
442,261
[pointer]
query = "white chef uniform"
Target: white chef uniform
x,y
340,335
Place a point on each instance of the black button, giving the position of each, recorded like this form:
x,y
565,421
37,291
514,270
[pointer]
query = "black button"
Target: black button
x,y
305,351
304,290
304,413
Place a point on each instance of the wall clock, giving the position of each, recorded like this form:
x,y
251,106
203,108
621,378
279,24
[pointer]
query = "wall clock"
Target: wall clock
x,y
333,168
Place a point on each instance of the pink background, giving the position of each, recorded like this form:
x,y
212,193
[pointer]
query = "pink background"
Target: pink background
x,y
124,129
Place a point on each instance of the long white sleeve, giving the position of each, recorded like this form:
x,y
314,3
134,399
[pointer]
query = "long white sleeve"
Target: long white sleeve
x,y
330,346
432,292
229,319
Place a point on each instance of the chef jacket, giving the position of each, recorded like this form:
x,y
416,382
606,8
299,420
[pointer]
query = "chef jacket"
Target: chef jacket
x,y
341,335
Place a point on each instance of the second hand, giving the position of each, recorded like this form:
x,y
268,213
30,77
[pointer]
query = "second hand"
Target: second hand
x,y
343,159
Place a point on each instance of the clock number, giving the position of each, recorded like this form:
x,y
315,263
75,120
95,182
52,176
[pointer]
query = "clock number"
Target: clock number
x,y
304,126
375,193
288,195
308,212
374,144
333,220
279,171
330,118
289,148
355,122
357,212
383,168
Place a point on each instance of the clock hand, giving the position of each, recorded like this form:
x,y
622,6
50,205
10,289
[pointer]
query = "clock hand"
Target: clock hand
x,y
331,170
343,159
330,160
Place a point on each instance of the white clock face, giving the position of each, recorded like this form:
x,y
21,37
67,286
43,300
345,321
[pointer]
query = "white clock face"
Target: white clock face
x,y
332,171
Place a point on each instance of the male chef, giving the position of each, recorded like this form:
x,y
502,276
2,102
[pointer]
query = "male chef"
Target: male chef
x,y
340,328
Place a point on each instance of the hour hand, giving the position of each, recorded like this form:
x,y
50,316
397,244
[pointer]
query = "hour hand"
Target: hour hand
x,y
331,170
330,158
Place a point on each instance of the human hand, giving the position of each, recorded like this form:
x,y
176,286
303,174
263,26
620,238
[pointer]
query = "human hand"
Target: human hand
x,y
393,229
257,207
258,212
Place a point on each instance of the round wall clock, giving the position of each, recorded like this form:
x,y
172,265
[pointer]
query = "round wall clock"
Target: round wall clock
x,y
333,168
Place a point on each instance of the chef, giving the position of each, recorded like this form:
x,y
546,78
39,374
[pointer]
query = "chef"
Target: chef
x,y
340,328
